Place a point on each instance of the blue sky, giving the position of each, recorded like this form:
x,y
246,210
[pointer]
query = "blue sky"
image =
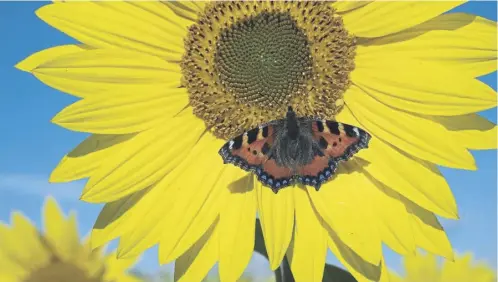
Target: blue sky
x,y
31,146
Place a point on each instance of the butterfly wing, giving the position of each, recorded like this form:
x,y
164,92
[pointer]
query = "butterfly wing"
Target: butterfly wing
x,y
336,142
252,150
339,141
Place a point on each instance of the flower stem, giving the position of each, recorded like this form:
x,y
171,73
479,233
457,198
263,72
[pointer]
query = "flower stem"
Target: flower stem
x,y
283,272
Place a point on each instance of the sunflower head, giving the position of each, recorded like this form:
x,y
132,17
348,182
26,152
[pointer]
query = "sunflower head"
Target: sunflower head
x,y
143,67
246,62
55,255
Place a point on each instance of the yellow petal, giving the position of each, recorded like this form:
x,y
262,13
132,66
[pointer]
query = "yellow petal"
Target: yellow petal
x,y
113,72
144,160
348,213
197,207
62,233
114,219
145,27
184,206
428,232
90,259
347,6
462,270
12,261
461,42
424,185
45,56
30,249
362,270
309,244
12,252
196,262
84,160
7,276
186,9
413,134
472,131
123,115
457,271
419,86
422,267
125,218
237,221
381,18
276,214
115,268
388,212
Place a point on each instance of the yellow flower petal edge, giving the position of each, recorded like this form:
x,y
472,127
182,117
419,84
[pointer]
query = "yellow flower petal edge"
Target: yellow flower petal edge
x,y
347,6
115,24
28,254
473,131
431,191
309,239
42,57
186,9
466,268
112,220
429,234
397,84
100,73
156,215
388,214
403,129
348,213
426,267
86,158
61,233
362,270
464,43
195,209
160,145
371,20
195,263
276,214
237,228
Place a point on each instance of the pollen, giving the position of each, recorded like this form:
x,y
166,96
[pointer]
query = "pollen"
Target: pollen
x,y
246,62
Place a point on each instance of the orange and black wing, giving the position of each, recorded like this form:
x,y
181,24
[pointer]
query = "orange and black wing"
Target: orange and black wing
x,y
337,142
251,151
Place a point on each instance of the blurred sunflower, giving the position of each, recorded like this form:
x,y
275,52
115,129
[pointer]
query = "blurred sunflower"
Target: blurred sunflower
x,y
425,268
165,84
56,255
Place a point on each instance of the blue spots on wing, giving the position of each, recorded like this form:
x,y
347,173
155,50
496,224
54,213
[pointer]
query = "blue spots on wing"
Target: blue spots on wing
x,y
268,180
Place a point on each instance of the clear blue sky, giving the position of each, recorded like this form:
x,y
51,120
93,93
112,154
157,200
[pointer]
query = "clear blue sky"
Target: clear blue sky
x,y
31,146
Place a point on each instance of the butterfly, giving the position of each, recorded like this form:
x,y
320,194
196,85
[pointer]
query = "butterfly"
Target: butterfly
x,y
294,149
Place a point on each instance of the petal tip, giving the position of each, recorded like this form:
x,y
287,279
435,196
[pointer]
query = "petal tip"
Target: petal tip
x,y
56,177
88,197
24,65
56,120
44,11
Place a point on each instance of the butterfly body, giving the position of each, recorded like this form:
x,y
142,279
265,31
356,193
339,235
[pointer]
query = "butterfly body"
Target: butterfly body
x,y
294,149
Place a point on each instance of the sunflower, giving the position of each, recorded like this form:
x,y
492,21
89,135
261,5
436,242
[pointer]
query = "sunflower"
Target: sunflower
x,y
56,255
163,85
424,267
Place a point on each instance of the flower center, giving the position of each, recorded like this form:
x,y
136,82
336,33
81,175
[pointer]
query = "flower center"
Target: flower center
x,y
246,62
264,60
58,271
